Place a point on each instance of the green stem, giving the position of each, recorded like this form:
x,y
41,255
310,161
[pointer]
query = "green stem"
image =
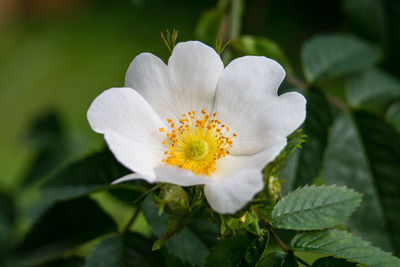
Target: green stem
x,y
137,211
338,103
296,82
276,237
234,19
271,232
131,220
235,23
139,199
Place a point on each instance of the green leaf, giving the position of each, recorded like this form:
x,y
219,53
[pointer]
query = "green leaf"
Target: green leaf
x,y
344,245
290,260
278,259
91,174
393,115
316,127
68,262
312,208
363,154
331,55
378,21
61,228
243,249
7,219
259,46
51,147
157,221
371,87
370,18
172,261
190,245
382,146
130,250
274,259
128,192
332,262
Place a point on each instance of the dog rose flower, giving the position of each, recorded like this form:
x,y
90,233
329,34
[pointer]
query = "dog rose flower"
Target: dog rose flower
x,y
194,122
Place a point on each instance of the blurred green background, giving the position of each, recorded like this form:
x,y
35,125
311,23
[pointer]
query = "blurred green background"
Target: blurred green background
x,y
59,55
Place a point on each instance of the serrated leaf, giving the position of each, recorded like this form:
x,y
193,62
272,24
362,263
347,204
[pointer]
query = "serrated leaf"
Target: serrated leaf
x,y
393,115
90,174
259,46
244,249
316,127
312,208
362,154
331,55
332,262
130,250
62,227
372,86
190,245
344,245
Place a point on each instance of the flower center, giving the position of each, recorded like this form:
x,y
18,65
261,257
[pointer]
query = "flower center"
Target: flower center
x,y
196,144
197,149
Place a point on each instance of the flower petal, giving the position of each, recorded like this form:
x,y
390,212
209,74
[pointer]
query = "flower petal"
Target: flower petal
x,y
167,174
231,164
238,178
130,128
132,176
231,194
194,70
149,76
178,176
247,101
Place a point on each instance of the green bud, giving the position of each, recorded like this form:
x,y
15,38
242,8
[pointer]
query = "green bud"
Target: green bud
x,y
174,198
274,189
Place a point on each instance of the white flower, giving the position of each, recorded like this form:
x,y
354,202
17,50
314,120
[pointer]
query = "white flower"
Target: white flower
x,y
193,122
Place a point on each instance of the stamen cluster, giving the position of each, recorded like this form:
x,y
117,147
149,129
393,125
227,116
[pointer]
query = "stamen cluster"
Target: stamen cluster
x,y
196,144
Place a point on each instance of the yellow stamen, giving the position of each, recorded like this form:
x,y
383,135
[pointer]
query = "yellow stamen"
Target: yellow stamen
x,y
196,144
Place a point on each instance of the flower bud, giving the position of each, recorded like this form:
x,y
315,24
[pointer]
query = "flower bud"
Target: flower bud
x,y
174,198
274,189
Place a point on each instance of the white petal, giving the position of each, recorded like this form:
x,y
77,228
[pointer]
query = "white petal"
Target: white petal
x,y
247,101
231,164
130,128
167,174
178,176
148,75
238,178
194,71
131,177
234,192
